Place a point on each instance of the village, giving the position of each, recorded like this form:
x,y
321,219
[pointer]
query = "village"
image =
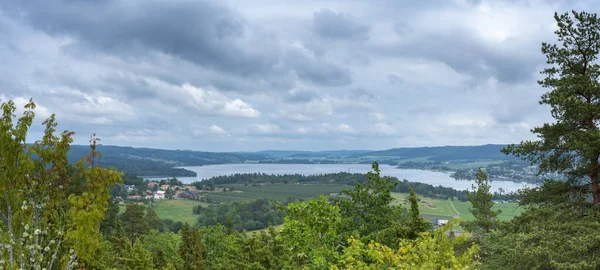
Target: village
x,y
146,191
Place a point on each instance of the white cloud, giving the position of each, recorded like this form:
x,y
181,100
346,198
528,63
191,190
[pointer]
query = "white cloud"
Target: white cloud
x,y
265,128
384,129
345,128
237,107
218,130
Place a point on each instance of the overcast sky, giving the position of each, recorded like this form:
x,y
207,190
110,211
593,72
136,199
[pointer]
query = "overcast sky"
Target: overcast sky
x,y
275,74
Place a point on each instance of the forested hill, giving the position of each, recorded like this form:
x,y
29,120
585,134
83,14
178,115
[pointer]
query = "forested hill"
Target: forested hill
x,y
445,153
160,162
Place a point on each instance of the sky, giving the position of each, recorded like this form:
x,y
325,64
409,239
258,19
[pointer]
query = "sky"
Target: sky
x,y
237,75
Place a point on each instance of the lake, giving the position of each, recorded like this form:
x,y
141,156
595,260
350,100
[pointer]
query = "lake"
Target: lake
x,y
429,177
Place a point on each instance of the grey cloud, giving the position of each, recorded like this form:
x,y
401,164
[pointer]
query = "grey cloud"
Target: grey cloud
x,y
317,71
301,96
394,79
206,33
465,53
332,25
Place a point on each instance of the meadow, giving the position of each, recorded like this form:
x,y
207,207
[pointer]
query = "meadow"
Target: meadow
x,y
447,209
177,210
181,210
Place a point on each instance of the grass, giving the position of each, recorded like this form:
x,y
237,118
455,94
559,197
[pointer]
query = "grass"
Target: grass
x,y
442,209
177,210
280,192
181,210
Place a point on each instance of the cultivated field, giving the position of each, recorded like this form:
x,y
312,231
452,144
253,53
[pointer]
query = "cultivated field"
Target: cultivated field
x,y
177,210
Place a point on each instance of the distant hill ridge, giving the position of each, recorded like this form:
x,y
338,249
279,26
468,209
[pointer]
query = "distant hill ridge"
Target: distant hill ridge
x,y
196,158
441,153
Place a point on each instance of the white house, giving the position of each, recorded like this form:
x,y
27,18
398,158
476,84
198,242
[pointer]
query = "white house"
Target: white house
x,y
159,195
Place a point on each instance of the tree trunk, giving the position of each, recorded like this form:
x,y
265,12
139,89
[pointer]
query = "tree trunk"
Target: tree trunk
x,y
594,181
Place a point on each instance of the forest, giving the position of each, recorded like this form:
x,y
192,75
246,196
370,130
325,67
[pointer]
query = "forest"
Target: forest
x,y
58,215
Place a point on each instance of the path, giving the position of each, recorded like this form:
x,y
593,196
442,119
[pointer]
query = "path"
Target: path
x,y
456,211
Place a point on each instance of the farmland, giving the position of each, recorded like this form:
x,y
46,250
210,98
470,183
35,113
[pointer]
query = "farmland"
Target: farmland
x,y
181,210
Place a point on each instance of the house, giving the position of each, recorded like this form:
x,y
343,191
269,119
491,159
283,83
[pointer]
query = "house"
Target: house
x,y
129,188
135,198
165,187
442,222
438,222
152,184
159,195
190,194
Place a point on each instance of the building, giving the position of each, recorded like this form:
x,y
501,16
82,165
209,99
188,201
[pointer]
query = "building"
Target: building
x,y
159,195
135,198
129,188
152,184
165,187
190,194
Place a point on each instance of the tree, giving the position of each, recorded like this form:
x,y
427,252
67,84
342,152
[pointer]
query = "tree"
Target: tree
x,y
426,252
571,145
153,220
557,231
416,224
191,249
134,224
138,257
311,233
109,223
368,211
44,223
164,248
486,219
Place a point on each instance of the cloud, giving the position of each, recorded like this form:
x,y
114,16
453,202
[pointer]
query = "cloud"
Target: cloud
x,y
332,25
345,128
250,75
218,130
384,129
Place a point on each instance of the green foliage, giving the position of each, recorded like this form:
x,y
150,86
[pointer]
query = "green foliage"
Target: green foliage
x,y
153,221
45,223
369,212
164,248
311,232
426,252
549,235
134,222
138,257
109,222
486,219
416,223
191,249
88,209
571,144
253,215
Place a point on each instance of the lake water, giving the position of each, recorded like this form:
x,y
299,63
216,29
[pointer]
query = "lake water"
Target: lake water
x,y
429,177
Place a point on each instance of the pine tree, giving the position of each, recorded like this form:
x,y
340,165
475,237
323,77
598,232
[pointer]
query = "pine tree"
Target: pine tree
x,y
134,224
191,249
416,224
153,220
486,219
571,144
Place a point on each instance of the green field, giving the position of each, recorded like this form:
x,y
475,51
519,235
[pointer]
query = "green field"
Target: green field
x,y
181,210
177,210
280,192
442,209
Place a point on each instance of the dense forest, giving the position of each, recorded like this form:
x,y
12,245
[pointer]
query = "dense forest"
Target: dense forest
x,y
58,215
